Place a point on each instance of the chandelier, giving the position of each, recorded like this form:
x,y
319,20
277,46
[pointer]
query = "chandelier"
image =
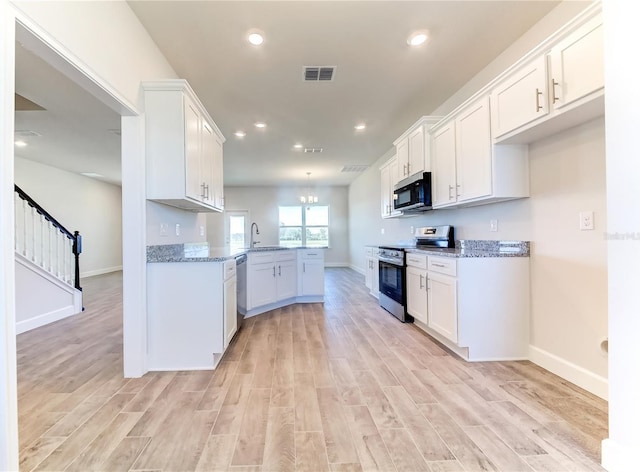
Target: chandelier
x,y
309,197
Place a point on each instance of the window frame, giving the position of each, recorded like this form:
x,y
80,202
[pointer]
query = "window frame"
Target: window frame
x,y
303,227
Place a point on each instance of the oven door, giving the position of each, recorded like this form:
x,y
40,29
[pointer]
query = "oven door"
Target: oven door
x,y
392,281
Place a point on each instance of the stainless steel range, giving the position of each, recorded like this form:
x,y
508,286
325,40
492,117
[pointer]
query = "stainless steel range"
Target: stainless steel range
x,y
392,268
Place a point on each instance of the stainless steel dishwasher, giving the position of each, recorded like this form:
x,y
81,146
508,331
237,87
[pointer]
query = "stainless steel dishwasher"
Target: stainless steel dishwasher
x,y
241,275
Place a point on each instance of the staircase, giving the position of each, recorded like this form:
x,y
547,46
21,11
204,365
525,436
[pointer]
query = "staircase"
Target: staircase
x,y
47,266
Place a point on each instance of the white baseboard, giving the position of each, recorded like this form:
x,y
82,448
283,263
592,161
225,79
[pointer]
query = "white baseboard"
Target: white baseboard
x,y
617,458
359,270
336,264
41,320
92,273
580,376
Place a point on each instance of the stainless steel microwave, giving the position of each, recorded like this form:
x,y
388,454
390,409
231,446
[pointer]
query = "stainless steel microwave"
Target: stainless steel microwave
x,y
413,193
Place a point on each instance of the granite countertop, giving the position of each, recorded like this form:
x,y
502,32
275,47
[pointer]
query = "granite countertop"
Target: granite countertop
x,y
479,248
203,252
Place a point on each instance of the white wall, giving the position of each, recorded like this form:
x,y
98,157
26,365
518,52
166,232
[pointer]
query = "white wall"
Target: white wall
x,y
263,202
622,35
80,204
192,225
568,267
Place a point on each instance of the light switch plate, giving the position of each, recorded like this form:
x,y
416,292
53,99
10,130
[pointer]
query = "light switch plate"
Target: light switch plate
x,y
493,225
164,229
177,229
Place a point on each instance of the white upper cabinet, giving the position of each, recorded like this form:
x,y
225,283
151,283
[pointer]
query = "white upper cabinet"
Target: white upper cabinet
x,y
468,169
183,149
521,98
412,149
388,178
558,85
577,64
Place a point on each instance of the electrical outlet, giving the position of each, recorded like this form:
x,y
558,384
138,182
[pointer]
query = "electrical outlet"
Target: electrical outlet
x,y
586,221
164,229
412,229
493,225
381,230
177,229
201,230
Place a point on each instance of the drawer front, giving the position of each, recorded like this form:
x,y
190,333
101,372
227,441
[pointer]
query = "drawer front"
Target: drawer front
x,y
288,255
417,260
229,268
313,253
442,265
260,257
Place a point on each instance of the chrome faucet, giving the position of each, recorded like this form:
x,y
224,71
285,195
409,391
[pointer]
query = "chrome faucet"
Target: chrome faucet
x,y
253,243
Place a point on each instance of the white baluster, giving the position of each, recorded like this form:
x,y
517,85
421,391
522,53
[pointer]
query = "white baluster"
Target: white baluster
x,y
18,223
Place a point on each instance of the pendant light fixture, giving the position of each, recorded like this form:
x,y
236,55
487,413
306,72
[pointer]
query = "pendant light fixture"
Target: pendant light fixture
x,y
309,197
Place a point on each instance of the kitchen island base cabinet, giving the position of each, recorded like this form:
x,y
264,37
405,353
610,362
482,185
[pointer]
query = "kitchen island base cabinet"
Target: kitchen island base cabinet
x,y
479,306
283,277
189,307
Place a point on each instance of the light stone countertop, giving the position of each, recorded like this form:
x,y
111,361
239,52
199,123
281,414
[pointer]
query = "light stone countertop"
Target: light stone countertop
x,y
203,252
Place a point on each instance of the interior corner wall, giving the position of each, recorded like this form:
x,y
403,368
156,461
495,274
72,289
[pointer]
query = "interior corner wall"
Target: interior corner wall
x,y
80,204
262,204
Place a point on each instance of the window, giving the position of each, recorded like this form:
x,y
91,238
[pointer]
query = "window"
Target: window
x,y
304,226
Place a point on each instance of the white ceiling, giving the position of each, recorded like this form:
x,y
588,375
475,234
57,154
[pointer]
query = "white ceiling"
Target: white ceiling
x,y
379,80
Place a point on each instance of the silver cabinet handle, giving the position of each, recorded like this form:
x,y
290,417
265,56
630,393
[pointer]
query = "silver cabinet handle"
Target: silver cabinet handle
x,y
274,271
304,267
457,190
437,265
554,83
405,169
202,194
280,271
450,190
421,286
538,106
206,187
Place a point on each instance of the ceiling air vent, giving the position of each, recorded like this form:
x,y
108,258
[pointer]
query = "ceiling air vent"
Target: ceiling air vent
x,y
354,168
313,150
319,73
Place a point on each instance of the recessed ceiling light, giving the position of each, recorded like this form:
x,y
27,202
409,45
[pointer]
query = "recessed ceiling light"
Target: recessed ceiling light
x,y
298,146
260,124
255,38
360,126
240,134
418,38
20,143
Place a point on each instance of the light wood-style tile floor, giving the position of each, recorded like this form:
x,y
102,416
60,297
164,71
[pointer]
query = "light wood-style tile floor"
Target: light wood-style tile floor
x,y
339,386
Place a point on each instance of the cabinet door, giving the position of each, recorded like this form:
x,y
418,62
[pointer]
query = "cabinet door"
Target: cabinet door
x,y
375,278
218,171
207,163
444,166
577,64
192,124
521,98
287,283
443,305
368,273
230,310
262,286
402,155
416,151
417,293
473,152
394,178
313,277
384,191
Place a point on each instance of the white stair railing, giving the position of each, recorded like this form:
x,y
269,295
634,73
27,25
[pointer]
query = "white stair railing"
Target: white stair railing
x,y
45,242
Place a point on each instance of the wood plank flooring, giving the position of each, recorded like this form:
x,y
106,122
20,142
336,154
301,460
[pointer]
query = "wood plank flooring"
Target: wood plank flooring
x,y
339,386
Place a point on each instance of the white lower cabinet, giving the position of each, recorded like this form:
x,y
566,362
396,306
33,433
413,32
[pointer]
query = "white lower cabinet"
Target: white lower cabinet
x,y
476,306
371,274
281,277
191,311
311,272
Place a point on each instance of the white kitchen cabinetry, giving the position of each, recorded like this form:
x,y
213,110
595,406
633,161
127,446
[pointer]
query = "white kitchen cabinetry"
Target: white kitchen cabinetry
x,y
560,87
468,169
413,149
478,306
417,287
183,148
371,274
191,313
230,302
311,272
388,178
271,277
